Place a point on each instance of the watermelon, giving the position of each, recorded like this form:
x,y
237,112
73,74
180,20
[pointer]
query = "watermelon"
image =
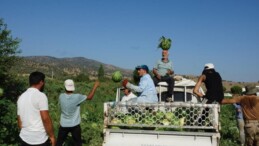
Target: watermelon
x,y
166,122
117,76
1,91
94,126
164,43
116,121
130,120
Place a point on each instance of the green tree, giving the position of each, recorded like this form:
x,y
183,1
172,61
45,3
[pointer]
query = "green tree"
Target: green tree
x,y
8,48
8,124
101,72
10,84
82,78
135,76
8,51
224,89
236,90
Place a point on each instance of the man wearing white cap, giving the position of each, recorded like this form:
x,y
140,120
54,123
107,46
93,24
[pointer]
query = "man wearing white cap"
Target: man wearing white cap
x,y
70,112
213,83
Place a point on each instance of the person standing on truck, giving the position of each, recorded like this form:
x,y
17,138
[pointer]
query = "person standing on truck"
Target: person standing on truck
x,y
70,112
240,123
250,109
163,71
213,83
33,114
146,88
128,95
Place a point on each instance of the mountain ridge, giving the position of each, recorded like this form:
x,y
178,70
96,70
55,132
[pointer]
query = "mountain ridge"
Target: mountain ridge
x,y
65,66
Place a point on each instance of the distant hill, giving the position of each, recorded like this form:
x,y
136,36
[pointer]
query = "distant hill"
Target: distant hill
x,y
65,66
71,67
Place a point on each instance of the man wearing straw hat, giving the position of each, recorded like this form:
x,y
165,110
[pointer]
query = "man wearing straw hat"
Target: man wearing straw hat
x,y
250,109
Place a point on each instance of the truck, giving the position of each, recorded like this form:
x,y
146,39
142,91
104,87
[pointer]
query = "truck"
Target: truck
x,y
187,121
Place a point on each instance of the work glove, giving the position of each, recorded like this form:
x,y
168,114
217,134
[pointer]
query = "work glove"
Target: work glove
x,y
124,82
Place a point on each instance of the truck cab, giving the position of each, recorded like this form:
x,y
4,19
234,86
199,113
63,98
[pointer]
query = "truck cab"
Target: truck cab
x,y
183,90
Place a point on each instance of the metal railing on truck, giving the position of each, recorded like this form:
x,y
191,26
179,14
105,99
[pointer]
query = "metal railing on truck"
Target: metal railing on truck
x,y
162,116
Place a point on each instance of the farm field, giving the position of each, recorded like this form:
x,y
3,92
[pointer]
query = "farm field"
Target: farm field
x,y
92,114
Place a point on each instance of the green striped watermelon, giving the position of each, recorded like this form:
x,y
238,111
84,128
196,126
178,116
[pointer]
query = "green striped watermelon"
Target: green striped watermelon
x,y
164,43
117,76
1,91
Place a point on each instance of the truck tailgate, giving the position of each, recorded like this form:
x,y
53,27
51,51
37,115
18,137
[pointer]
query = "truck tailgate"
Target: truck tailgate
x,y
117,137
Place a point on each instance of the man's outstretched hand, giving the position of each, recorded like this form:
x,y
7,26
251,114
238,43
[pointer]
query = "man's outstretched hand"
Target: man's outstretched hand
x,y
124,82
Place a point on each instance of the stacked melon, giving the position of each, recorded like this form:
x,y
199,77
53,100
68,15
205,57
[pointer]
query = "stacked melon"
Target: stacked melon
x,y
164,43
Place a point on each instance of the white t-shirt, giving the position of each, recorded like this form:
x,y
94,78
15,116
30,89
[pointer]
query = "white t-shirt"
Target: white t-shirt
x,y
29,105
128,97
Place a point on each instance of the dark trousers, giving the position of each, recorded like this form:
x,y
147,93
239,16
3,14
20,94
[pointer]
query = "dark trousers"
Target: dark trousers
x,y
23,143
169,80
75,132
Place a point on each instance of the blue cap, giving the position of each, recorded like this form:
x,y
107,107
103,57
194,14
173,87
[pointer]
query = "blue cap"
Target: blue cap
x,y
142,67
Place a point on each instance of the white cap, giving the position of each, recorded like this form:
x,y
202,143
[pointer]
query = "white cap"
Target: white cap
x,y
69,85
209,66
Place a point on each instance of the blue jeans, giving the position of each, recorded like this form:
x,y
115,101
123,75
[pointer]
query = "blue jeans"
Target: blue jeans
x,y
241,125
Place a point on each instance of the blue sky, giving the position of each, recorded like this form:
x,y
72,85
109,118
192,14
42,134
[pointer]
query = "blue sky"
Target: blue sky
x,y
125,33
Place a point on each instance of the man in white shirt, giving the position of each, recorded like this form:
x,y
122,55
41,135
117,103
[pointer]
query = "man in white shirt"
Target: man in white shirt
x,y
33,115
127,95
